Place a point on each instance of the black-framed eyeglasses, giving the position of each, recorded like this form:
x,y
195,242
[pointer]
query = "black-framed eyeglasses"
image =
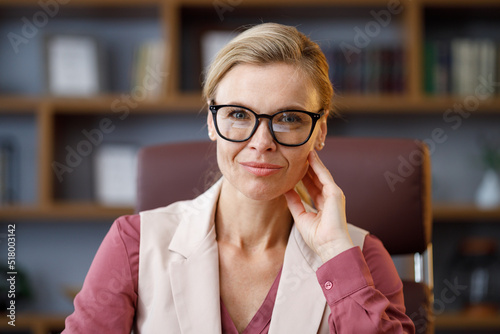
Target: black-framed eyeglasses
x,y
287,127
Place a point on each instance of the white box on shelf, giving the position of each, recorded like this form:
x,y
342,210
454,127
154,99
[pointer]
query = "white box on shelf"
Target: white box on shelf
x,y
115,170
212,42
73,65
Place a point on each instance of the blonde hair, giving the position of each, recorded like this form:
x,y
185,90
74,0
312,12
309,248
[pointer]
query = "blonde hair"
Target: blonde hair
x,y
270,43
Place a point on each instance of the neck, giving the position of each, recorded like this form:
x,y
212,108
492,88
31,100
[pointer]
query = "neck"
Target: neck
x,y
251,225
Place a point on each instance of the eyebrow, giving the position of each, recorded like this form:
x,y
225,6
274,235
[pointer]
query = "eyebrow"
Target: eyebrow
x,y
289,107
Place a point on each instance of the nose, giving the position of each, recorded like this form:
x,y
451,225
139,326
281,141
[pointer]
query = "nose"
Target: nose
x,y
262,140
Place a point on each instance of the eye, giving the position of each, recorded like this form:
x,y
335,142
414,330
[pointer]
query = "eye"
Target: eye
x,y
239,114
290,118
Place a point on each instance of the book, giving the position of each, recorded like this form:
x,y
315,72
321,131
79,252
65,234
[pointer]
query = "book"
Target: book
x,y
148,78
373,70
442,68
429,66
473,61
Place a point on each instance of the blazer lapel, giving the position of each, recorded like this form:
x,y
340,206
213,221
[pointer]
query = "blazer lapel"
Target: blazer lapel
x,y
195,275
300,302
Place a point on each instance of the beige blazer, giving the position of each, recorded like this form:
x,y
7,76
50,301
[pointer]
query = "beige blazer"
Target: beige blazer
x,y
178,286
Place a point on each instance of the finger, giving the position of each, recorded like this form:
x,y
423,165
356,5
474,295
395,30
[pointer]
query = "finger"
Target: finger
x,y
314,178
295,204
311,184
322,173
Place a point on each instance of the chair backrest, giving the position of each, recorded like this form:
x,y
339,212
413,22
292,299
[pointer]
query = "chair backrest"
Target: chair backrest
x,y
386,183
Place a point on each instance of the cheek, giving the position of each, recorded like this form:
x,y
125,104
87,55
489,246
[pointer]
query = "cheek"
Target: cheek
x,y
226,152
300,164
221,157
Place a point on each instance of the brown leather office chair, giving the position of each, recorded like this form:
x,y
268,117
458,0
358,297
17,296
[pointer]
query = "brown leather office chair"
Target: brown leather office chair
x,y
386,183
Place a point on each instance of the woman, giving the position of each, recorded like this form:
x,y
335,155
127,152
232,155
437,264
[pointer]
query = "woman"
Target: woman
x,y
250,255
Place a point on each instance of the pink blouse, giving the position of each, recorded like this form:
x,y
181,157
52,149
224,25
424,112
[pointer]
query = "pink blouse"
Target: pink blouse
x,y
367,282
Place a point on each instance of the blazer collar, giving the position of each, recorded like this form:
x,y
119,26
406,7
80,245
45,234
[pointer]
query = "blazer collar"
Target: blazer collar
x,y
195,275
197,218
299,293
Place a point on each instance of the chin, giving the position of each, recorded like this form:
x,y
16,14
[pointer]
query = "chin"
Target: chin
x,y
262,190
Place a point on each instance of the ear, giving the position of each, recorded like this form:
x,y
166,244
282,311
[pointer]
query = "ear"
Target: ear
x,y
322,131
212,134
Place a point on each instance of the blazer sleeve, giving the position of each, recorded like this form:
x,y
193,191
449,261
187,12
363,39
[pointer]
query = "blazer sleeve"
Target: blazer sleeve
x,y
107,301
364,291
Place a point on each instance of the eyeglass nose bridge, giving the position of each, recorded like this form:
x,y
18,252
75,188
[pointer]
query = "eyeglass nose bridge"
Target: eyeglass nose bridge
x,y
269,125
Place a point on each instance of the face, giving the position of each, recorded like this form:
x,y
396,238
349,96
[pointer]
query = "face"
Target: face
x,y
260,168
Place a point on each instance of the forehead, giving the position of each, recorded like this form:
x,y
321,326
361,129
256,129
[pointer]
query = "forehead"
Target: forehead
x,y
267,87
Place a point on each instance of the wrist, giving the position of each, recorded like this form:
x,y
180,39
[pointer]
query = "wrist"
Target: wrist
x,y
329,251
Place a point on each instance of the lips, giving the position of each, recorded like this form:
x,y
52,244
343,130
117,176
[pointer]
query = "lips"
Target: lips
x,y
261,169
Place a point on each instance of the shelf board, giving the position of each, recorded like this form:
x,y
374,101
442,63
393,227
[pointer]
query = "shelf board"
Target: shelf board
x,y
402,104
17,103
122,103
259,2
464,321
63,211
37,322
463,212
288,3
97,3
459,3
102,104
442,103
117,103
20,212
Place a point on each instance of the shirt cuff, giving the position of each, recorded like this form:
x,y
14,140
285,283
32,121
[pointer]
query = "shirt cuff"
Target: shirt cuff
x,y
343,275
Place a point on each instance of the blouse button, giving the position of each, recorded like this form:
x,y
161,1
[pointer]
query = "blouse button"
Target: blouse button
x,y
328,285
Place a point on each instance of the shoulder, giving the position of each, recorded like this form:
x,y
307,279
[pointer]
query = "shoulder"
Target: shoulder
x,y
124,233
374,248
128,226
378,259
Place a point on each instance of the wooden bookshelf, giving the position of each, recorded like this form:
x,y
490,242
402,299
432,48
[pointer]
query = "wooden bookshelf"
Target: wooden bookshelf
x,y
412,101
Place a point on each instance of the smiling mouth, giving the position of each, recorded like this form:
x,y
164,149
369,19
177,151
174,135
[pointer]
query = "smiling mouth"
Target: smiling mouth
x,y
261,169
